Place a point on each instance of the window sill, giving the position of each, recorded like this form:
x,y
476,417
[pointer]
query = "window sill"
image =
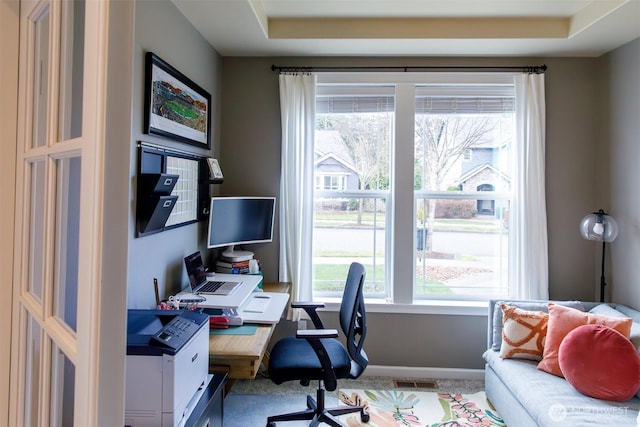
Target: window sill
x,y
444,307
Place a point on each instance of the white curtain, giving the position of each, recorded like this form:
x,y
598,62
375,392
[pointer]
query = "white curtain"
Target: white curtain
x,y
529,279
297,108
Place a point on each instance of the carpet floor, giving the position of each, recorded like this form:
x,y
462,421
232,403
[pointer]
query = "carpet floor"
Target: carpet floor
x,y
250,402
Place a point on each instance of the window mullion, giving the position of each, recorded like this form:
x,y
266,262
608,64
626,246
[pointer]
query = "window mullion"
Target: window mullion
x,y
402,273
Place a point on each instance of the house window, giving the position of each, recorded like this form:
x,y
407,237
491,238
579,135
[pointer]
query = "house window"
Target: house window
x,y
413,145
331,182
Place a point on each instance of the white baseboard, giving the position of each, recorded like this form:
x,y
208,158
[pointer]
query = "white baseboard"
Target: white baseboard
x,y
423,373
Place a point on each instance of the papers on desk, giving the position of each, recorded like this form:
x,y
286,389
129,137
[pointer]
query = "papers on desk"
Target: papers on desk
x,y
244,295
272,313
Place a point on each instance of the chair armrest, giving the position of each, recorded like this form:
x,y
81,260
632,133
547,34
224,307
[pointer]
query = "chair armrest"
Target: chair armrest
x,y
307,304
314,338
317,333
310,308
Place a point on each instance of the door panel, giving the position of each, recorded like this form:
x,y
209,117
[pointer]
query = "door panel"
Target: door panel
x,y
71,70
65,284
39,27
55,363
36,227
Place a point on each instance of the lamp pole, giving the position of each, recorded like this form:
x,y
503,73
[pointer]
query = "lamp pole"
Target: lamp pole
x,y
602,281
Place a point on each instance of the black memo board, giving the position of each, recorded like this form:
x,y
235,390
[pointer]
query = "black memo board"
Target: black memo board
x,y
159,206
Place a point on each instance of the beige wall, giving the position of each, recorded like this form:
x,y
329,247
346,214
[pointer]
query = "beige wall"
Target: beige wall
x,y
250,155
9,32
618,166
246,138
162,29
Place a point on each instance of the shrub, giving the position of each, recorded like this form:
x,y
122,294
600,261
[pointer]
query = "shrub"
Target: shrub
x,y
455,209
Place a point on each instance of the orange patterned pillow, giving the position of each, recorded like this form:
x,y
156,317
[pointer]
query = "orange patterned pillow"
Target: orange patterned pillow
x,y
563,320
523,333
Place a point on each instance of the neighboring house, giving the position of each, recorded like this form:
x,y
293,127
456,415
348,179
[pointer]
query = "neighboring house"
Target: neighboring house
x,y
481,172
333,166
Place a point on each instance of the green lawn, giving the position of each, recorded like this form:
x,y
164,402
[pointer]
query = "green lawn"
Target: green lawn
x,y
350,219
331,278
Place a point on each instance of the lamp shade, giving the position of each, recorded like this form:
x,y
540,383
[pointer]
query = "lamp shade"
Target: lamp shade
x,y
599,226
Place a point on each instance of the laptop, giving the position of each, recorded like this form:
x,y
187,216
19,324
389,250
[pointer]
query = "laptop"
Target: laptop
x,y
198,278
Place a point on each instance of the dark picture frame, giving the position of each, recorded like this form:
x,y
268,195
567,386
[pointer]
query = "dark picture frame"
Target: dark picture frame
x,y
175,106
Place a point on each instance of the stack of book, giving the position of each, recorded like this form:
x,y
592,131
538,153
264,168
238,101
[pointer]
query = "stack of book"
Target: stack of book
x,y
234,267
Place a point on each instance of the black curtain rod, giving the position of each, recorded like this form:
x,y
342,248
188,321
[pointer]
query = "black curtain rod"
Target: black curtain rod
x,y
537,69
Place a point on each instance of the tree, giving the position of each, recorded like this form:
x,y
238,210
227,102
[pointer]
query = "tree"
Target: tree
x,y
441,141
366,138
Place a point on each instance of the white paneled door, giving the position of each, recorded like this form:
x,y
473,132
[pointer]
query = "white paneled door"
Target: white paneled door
x,y
60,140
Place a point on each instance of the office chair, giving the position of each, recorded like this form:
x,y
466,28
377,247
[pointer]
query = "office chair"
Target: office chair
x,y
316,354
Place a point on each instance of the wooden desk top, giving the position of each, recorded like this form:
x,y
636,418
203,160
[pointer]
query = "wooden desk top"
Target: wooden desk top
x,y
276,287
240,355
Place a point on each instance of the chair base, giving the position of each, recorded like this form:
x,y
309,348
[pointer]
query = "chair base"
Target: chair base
x,y
317,413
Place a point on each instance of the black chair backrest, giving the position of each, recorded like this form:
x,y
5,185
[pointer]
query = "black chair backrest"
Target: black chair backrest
x,y
353,319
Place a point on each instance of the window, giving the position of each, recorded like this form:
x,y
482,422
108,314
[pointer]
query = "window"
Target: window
x,y
353,138
413,179
331,182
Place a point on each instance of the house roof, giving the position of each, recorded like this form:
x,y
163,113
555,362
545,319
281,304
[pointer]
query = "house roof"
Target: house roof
x,y
330,141
475,171
329,144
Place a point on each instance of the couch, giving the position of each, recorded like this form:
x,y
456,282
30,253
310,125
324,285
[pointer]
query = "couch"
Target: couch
x,y
526,396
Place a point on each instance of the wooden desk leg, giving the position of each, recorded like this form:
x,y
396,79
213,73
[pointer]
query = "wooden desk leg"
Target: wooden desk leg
x,y
265,360
228,385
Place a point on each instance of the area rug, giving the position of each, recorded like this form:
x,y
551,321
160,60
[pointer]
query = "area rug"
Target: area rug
x,y
425,409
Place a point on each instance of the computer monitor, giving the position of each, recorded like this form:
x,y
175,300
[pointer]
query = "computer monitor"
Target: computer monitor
x,y
238,221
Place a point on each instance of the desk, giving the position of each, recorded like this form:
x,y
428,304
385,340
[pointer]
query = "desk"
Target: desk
x,y
240,355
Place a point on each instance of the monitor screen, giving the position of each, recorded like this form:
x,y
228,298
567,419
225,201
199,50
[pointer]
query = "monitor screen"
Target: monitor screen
x,y
240,220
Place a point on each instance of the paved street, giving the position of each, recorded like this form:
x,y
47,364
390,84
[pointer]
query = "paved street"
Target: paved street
x,y
473,244
472,269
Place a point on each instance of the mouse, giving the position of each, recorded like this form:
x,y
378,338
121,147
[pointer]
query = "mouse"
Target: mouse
x,y
259,295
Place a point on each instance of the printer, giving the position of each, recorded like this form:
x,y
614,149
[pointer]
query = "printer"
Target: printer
x,y
166,367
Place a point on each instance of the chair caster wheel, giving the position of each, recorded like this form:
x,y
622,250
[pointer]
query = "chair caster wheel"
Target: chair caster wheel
x,y
364,416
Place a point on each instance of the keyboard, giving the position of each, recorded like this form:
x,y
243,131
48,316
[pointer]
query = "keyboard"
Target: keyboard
x,y
211,287
257,305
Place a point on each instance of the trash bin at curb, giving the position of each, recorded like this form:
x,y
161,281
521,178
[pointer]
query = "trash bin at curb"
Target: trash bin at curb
x,y
421,238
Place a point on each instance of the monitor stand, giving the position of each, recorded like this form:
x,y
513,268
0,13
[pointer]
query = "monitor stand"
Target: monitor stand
x,y
236,255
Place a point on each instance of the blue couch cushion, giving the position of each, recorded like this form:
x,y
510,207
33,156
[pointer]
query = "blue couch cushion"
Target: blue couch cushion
x,y
552,401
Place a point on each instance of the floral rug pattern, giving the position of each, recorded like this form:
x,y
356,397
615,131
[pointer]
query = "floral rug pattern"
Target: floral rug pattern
x,y
420,409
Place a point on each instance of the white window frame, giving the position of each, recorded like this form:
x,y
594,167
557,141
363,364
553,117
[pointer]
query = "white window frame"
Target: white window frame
x,y
401,200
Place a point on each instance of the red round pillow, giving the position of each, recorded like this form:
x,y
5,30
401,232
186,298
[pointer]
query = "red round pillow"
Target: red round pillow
x,y
600,362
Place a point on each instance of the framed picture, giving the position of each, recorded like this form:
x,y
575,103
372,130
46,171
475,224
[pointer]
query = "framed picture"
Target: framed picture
x,y
175,106
214,169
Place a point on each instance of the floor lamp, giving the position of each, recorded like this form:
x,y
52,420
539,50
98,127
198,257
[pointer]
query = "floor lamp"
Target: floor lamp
x,y
601,227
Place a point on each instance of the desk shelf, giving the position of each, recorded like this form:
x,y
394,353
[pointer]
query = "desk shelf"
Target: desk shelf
x,y
240,355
